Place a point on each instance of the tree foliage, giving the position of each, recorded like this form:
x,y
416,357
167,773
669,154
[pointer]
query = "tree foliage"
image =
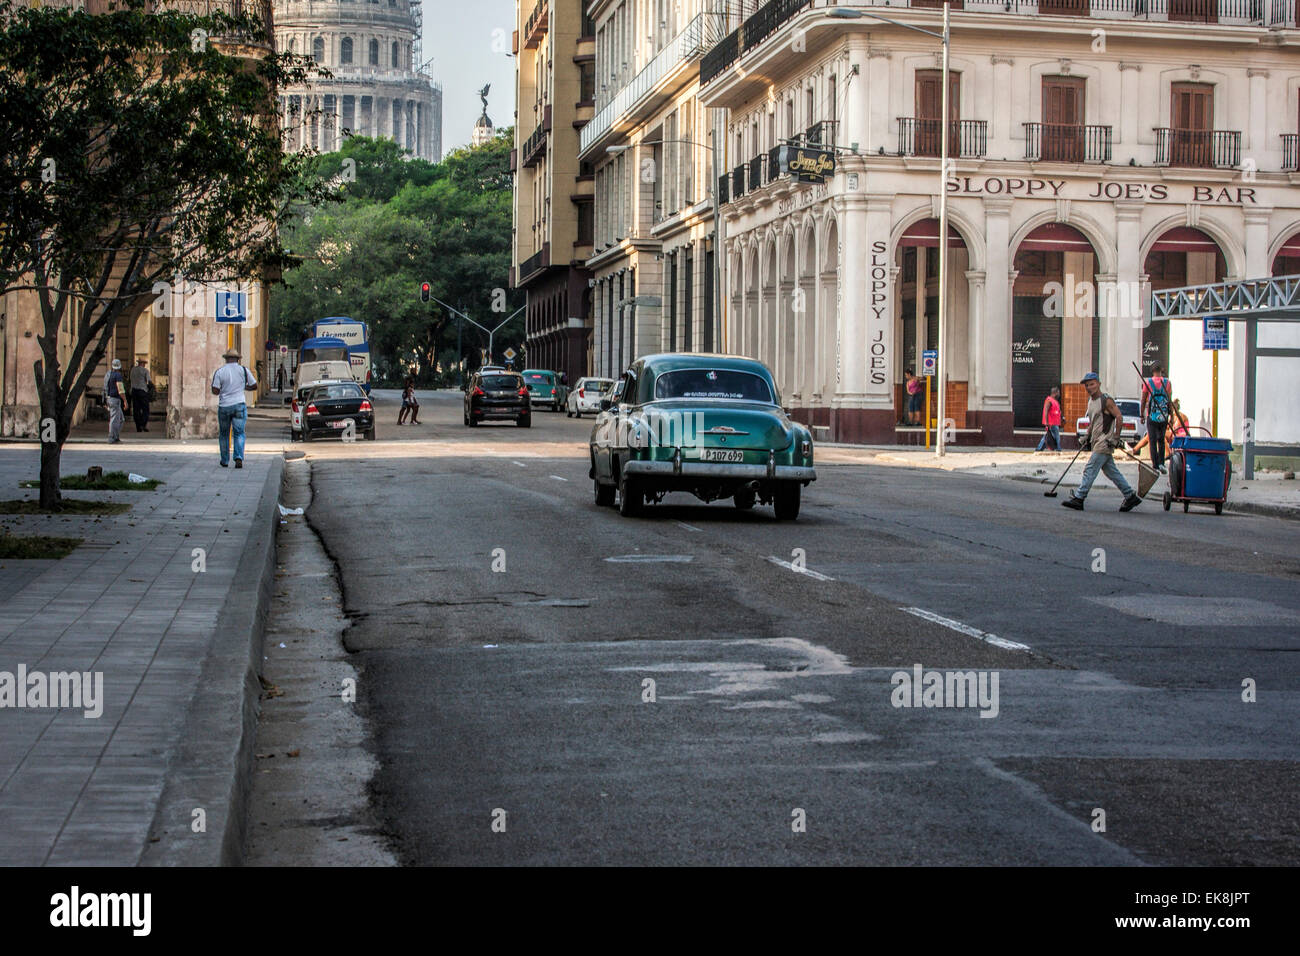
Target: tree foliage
x,y
404,221
136,149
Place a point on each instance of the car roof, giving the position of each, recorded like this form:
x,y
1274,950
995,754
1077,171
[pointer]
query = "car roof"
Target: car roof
x,y
668,361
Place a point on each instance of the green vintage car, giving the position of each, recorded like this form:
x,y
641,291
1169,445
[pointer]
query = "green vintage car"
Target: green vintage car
x,y
544,388
711,425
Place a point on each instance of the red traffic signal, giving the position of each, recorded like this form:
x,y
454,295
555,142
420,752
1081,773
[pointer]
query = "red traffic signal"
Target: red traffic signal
x,y
424,292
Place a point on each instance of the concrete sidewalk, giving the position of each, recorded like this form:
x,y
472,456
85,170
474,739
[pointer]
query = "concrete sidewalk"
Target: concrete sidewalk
x,y
177,649
1269,493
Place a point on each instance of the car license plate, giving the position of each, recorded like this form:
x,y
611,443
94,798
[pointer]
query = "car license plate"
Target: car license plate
x,y
343,424
722,454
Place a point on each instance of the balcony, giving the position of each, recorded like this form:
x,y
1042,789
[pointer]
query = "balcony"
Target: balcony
x,y
774,164
821,135
1067,143
689,43
922,137
755,175
1198,148
1290,152
533,265
738,181
773,15
724,190
535,146
537,23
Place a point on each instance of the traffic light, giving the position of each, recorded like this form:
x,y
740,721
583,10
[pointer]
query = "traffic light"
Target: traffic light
x,y
424,292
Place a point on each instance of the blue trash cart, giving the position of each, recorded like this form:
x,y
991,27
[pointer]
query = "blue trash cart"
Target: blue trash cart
x,y
1199,471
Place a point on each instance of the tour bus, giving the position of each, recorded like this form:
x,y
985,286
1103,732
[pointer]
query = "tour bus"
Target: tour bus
x,y
323,359
356,334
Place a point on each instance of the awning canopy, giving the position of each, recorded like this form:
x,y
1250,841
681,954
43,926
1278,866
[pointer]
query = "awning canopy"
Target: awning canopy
x,y
1185,239
926,233
1055,237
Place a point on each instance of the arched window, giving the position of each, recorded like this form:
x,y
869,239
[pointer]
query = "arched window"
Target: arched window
x,y
345,50
396,65
374,52
318,49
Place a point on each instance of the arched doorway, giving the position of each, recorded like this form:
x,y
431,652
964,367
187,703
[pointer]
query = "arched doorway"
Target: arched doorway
x,y
1181,256
1054,325
917,290
1287,260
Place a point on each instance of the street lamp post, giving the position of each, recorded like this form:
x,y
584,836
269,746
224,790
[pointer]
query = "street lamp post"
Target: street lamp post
x,y
717,214
850,13
490,332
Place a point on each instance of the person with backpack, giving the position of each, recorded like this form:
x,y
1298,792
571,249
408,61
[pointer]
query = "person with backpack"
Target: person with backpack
x,y
1051,421
1157,400
230,382
1105,428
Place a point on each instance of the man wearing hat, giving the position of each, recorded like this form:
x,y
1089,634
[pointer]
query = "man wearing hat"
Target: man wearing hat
x,y
115,396
1105,426
230,382
139,376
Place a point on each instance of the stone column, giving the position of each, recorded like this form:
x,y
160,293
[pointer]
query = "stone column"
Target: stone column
x,y
1125,311
992,361
1130,75
847,324
1257,146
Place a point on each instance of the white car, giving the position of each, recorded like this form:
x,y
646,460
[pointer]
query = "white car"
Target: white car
x,y
585,396
1133,429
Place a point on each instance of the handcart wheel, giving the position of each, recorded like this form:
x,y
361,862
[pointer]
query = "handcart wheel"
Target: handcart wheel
x,y
1218,507
1168,500
1186,505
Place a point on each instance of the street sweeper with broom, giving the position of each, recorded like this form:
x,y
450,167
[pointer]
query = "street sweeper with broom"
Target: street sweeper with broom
x,y
1105,426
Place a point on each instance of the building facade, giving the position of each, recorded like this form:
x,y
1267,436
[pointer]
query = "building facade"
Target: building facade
x,y
651,146
378,87
1101,149
553,198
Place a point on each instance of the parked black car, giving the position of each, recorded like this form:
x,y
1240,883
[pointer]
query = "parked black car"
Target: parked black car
x,y
497,395
326,410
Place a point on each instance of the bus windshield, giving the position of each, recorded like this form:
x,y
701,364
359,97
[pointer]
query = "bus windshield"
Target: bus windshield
x,y
322,354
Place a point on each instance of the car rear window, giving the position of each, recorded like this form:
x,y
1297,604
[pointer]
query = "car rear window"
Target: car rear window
x,y
1130,409
338,391
500,381
712,383
537,377
598,383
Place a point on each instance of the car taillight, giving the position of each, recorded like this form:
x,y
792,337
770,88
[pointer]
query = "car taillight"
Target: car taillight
x,y
293,406
582,393
553,391
311,409
479,391
523,391
365,406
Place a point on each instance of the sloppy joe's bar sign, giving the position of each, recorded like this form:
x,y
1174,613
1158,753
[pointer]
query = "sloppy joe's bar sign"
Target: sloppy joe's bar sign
x,y
1100,189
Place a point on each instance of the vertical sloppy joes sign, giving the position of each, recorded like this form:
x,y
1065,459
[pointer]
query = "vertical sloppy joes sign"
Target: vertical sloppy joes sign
x,y
877,361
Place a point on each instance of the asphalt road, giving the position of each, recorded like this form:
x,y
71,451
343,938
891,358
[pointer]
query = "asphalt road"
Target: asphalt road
x,y
519,696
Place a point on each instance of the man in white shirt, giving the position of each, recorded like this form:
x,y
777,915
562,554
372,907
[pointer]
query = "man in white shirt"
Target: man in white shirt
x,y
230,382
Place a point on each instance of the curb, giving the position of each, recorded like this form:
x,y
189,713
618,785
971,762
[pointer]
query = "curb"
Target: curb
x,y
212,767
1240,507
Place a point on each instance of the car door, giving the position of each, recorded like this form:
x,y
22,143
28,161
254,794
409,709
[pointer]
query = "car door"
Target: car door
x,y
622,416
602,434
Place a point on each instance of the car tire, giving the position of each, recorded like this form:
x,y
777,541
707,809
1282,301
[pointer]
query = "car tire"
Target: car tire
x,y
524,421
295,435
630,497
744,499
604,495
786,500
370,434
471,422
306,434
568,412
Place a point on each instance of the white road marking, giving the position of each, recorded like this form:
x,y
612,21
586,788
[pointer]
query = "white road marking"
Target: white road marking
x,y
519,463
558,478
790,567
966,629
652,559
688,527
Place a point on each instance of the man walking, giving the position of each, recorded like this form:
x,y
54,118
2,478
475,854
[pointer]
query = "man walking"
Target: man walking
x,y
140,394
115,396
1157,398
1051,421
1105,426
230,382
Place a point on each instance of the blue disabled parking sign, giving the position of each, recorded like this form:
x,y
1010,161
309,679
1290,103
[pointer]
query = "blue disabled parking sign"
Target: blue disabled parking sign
x,y
1214,334
929,362
232,307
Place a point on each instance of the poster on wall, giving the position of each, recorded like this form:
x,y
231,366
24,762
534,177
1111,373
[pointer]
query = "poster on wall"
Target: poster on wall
x,y
1035,359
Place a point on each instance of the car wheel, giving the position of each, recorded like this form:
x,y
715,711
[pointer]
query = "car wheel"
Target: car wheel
x,y
294,435
524,421
744,499
568,412
472,422
786,500
604,495
1168,500
630,497
370,434
306,434
1218,507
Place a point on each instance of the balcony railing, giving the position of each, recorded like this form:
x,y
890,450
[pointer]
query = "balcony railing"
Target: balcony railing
x,y
922,137
821,134
535,146
534,264
536,24
738,181
724,189
1290,152
1198,148
774,164
755,175
1067,143
690,42
773,15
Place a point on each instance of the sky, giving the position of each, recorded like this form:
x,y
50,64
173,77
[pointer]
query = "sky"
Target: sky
x,y
469,43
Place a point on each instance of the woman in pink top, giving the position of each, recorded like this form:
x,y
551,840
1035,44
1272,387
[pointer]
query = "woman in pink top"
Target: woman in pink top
x,y
1051,421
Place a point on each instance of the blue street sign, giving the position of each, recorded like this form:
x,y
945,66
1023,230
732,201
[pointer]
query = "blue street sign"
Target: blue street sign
x,y
232,307
1214,334
929,362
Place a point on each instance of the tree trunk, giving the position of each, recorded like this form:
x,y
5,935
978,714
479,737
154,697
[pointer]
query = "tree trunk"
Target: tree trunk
x,y
50,454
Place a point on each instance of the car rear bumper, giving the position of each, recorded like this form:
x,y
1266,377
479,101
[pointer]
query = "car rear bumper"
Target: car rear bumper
x,y
720,470
503,411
